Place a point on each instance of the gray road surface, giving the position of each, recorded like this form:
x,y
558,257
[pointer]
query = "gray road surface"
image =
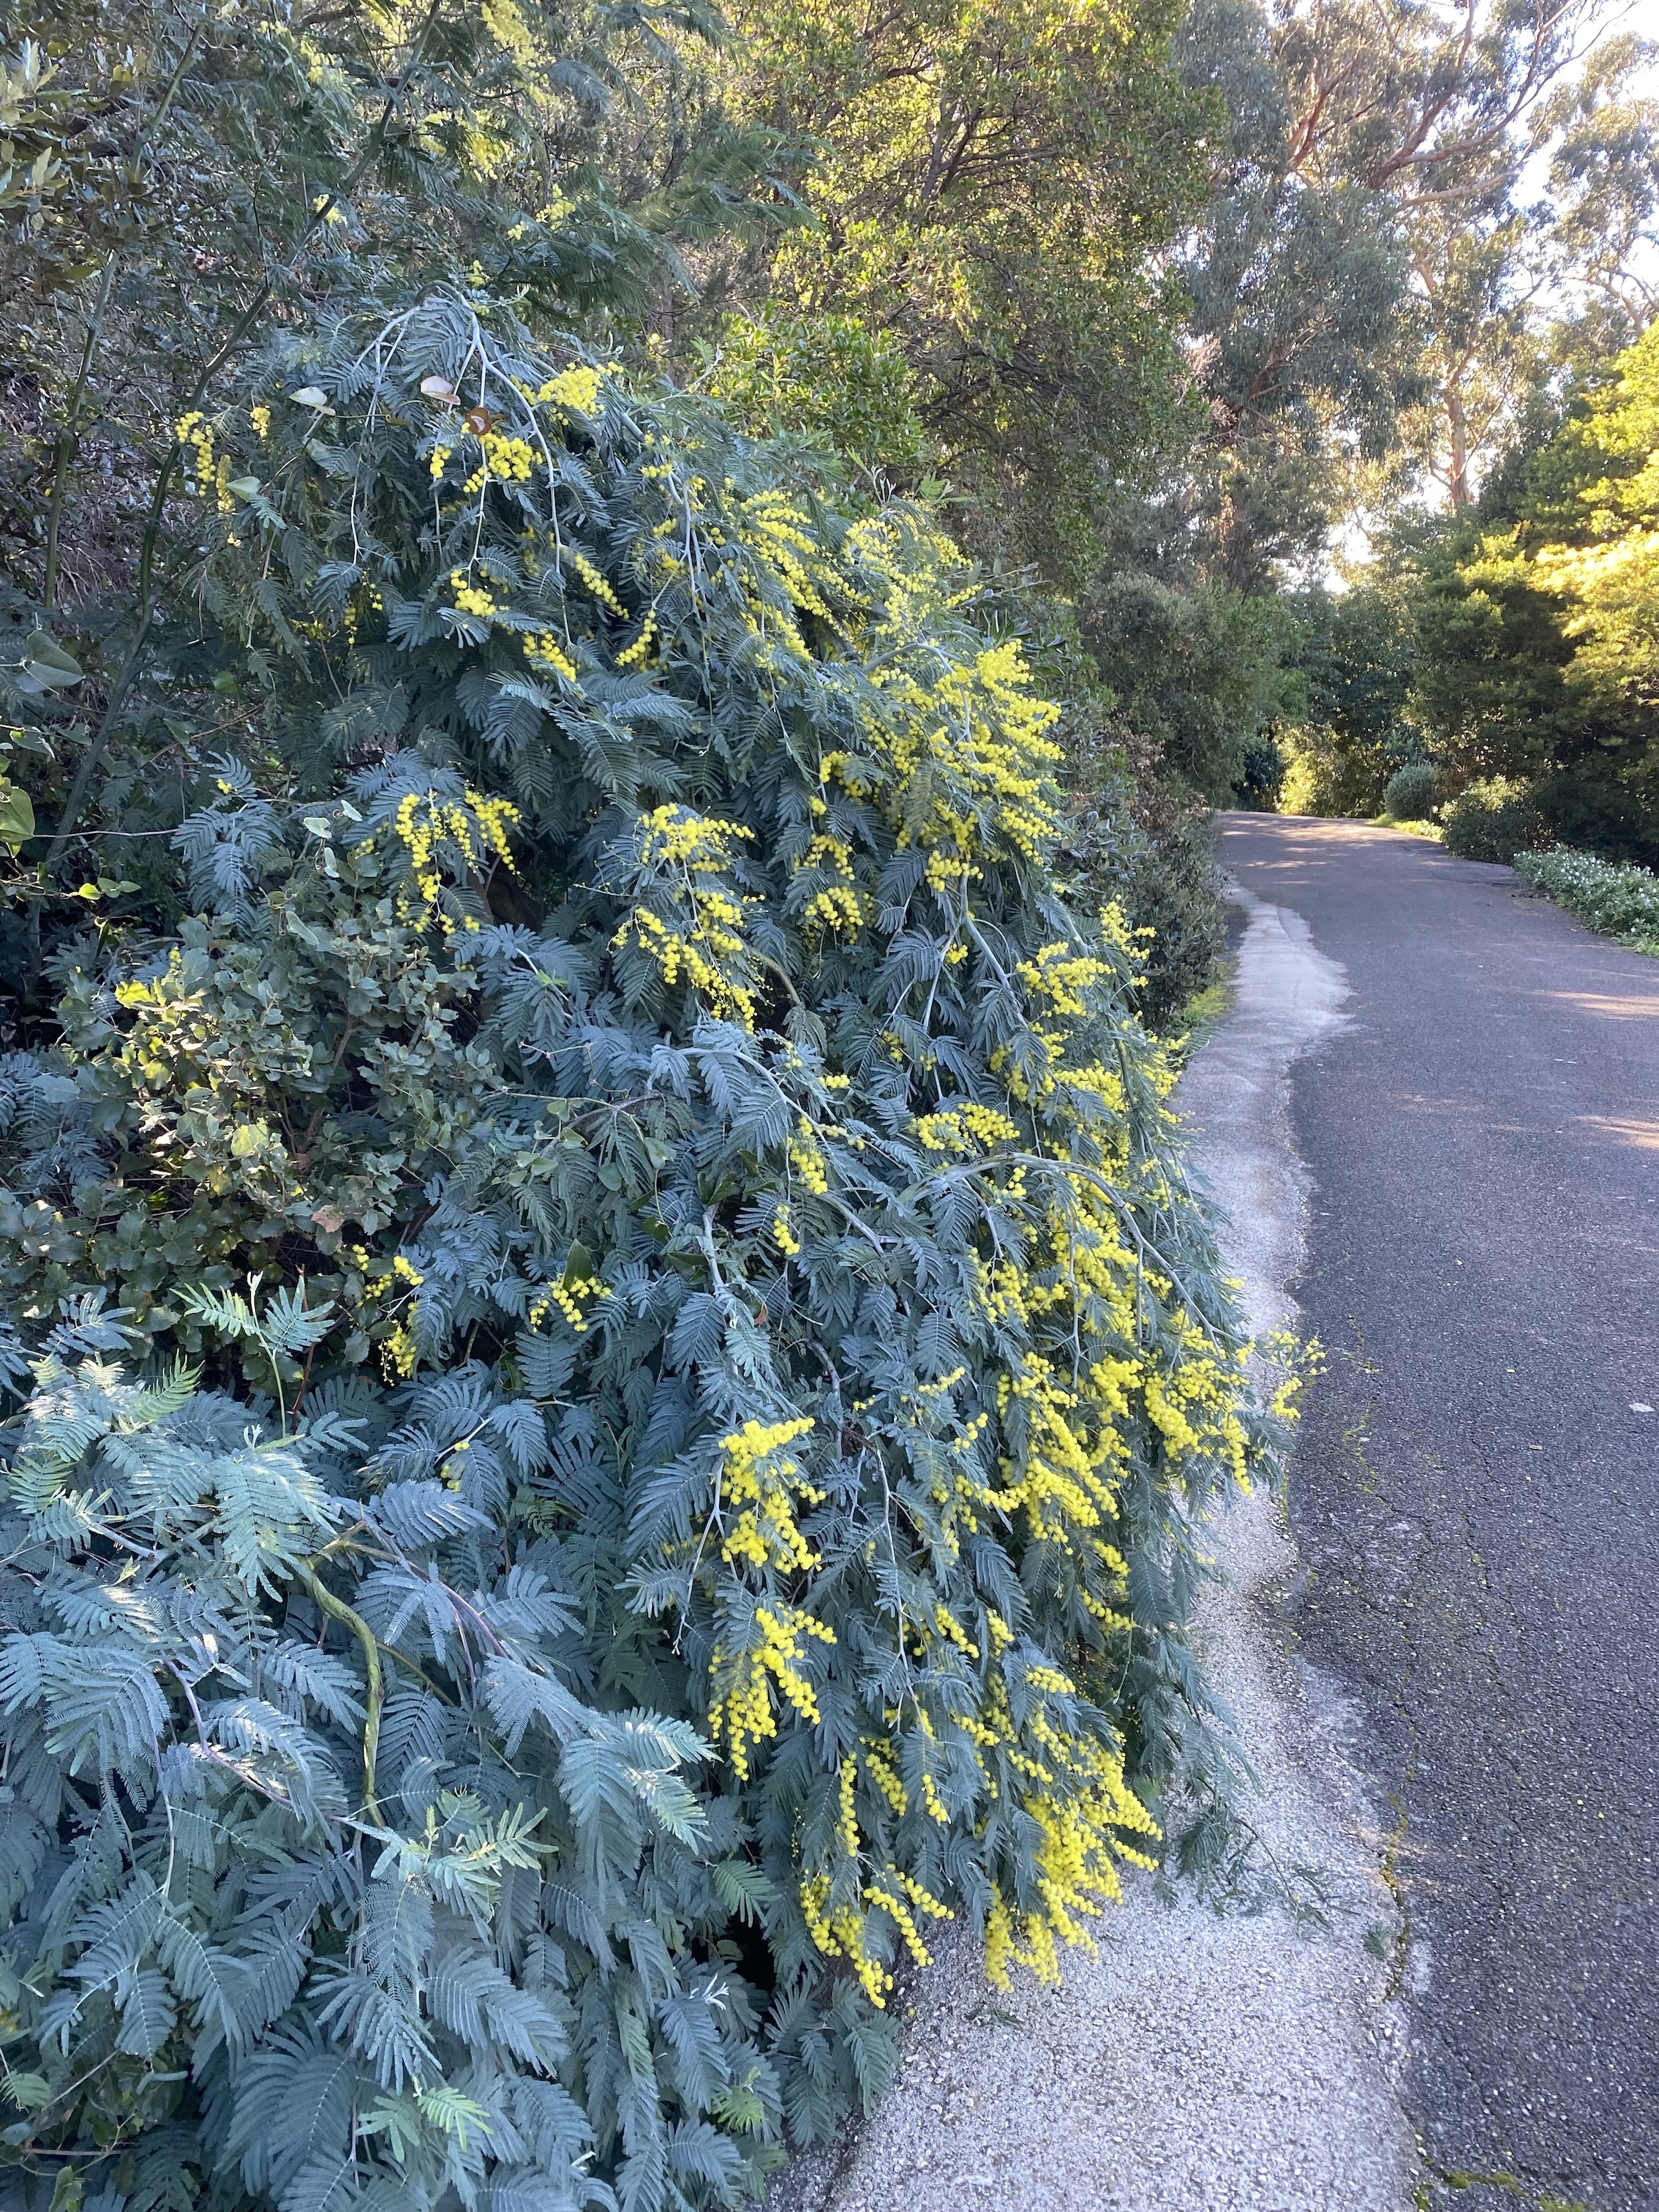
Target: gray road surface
x,y
1475,1492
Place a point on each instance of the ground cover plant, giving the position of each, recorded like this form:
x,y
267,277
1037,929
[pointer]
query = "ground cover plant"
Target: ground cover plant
x,y
618,1366
1621,902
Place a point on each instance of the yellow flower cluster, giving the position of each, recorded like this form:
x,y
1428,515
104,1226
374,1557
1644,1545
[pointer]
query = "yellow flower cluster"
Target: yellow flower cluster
x,y
476,829
545,651
1115,928
1083,1841
839,904
569,1299
259,417
947,1624
1068,1425
879,1765
898,1910
574,390
849,772
687,953
1058,976
775,526
972,767
471,598
196,431
203,473
596,581
840,1930
704,945
806,1156
1195,1405
505,460
761,1479
637,655
674,835
743,1714
399,1351
962,1128
1063,1477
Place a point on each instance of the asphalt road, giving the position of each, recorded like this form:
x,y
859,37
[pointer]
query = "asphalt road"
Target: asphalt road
x,y
1475,1493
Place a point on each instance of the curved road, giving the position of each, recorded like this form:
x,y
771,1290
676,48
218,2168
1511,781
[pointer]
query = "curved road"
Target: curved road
x,y
1476,1488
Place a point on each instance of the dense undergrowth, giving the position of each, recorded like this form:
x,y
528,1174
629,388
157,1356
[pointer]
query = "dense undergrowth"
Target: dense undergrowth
x,y
623,1369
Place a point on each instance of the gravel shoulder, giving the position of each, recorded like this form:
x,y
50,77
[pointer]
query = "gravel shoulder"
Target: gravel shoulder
x,y
1238,2060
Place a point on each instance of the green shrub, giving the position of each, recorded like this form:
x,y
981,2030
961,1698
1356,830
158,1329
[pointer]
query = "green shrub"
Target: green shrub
x,y
1493,819
1262,778
1621,902
633,1059
1198,674
1355,657
1147,847
1409,793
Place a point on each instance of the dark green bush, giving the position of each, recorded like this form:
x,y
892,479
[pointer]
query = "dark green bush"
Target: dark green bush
x,y
1198,674
1262,776
1150,849
1409,793
1494,820
710,1371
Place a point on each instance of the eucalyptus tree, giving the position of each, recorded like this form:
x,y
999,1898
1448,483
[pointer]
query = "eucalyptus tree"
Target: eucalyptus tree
x,y
1373,284
1303,337
1604,186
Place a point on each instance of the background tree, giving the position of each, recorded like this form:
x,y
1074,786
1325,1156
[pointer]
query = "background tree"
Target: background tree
x,y
1604,184
1348,726
1540,663
1302,342
1446,115
990,191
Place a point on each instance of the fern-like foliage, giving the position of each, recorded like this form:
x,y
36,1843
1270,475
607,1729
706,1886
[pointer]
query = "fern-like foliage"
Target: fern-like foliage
x,y
353,1894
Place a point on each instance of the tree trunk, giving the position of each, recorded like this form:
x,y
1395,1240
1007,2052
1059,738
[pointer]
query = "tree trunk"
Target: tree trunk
x,y
1457,453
